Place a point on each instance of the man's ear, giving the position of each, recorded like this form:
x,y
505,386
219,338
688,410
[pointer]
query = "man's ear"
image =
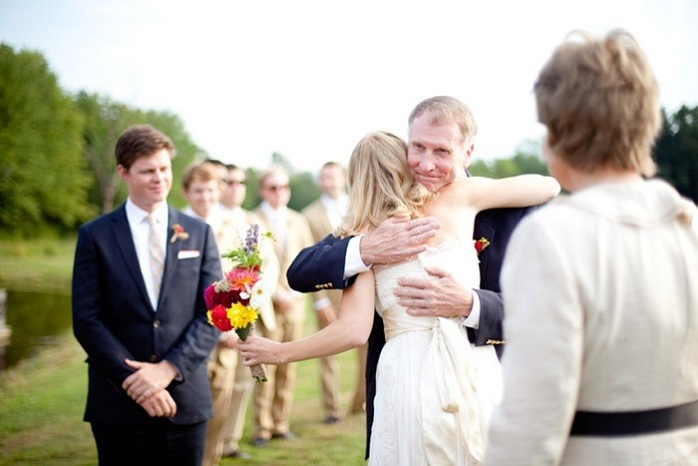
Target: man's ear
x,y
468,155
122,171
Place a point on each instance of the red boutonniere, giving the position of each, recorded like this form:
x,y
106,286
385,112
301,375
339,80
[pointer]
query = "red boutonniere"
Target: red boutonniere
x,y
481,244
178,233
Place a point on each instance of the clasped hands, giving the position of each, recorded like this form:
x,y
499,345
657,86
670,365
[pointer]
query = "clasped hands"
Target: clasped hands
x,y
147,386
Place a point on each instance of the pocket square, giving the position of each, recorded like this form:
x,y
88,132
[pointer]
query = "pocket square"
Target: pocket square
x,y
188,254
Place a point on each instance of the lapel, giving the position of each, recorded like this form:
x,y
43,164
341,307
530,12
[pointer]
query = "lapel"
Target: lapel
x,y
483,227
124,240
173,249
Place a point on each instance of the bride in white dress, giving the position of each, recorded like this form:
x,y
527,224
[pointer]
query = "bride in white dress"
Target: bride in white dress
x,y
435,391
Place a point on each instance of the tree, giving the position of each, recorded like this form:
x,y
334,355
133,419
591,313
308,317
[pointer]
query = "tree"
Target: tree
x,y
104,121
676,151
526,160
43,179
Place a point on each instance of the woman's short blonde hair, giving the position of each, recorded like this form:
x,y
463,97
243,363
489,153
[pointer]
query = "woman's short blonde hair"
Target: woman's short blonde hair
x,y
381,184
599,100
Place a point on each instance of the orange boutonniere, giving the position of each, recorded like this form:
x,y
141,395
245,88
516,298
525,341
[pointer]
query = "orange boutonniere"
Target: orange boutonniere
x,y
481,244
178,233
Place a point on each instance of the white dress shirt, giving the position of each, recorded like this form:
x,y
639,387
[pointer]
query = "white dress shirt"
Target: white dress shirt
x,y
140,230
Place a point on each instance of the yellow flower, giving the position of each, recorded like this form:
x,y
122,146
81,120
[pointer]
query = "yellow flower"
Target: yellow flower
x,y
241,316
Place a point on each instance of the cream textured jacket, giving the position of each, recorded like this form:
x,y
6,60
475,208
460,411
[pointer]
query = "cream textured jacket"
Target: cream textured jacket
x,y
601,314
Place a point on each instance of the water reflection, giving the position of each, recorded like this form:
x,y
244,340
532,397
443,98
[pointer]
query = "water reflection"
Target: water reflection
x,y
35,319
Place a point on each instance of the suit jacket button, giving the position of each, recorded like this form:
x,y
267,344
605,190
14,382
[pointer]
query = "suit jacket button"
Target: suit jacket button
x,y
153,358
156,323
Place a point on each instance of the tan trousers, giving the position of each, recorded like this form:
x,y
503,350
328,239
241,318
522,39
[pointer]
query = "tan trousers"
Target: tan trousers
x,y
221,371
273,399
235,421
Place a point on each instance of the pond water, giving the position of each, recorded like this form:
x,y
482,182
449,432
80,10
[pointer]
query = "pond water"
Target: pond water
x,y
35,319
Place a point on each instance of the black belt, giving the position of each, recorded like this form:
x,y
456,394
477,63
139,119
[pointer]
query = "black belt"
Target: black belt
x,y
619,424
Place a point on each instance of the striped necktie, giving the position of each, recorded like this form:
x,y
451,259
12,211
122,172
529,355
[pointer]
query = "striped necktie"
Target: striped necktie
x,y
157,255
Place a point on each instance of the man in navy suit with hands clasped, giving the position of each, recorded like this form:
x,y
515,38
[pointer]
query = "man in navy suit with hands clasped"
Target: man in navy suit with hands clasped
x,y
139,313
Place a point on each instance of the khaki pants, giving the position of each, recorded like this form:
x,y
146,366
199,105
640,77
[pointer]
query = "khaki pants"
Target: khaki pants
x,y
273,399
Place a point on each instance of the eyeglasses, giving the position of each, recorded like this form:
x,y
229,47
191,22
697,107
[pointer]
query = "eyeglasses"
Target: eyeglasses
x,y
278,188
234,182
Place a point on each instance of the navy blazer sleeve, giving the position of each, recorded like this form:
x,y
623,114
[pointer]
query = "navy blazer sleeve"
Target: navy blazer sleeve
x,y
103,348
321,263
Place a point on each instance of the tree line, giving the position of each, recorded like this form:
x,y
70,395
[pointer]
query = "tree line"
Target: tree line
x,y
57,166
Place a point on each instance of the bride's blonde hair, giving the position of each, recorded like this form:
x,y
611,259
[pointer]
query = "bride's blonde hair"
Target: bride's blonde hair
x,y
381,184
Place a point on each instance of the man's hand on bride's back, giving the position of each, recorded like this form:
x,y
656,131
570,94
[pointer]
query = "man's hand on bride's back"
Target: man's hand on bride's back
x,y
397,239
439,295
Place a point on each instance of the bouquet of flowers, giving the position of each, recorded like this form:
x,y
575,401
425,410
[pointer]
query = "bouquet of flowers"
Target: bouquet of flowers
x,y
234,301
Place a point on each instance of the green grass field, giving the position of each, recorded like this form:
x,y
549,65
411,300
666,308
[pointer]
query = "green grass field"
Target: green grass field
x,y
42,398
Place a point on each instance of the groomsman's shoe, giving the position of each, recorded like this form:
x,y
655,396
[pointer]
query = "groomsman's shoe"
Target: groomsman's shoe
x,y
260,442
288,435
333,420
237,454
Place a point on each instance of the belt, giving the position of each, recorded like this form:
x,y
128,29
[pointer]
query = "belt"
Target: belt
x,y
628,423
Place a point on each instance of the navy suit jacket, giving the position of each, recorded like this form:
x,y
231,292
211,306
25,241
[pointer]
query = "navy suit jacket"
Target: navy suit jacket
x,y
322,266
113,318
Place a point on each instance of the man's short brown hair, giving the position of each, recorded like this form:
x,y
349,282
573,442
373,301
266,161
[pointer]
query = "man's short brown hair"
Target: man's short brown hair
x,y
139,141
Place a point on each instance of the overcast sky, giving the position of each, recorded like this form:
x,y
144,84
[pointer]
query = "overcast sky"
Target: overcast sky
x,y
309,78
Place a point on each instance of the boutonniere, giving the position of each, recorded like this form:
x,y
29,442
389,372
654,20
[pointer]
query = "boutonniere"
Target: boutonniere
x,y
178,233
481,244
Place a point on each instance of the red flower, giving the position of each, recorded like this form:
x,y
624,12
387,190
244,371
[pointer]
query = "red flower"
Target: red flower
x,y
218,316
481,244
215,296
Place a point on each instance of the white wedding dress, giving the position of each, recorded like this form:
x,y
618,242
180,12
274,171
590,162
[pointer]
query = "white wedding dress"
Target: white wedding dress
x,y
434,390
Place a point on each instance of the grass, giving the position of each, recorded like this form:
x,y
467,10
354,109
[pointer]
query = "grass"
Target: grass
x,y
42,398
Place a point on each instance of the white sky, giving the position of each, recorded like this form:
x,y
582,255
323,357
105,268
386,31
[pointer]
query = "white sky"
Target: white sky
x,y
308,78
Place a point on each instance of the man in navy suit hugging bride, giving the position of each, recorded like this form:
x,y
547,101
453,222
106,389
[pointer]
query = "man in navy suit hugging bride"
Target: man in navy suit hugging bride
x,y
441,132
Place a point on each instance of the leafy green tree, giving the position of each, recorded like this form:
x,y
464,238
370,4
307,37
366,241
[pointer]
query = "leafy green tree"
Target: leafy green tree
x,y
304,190
526,160
676,151
104,120
43,179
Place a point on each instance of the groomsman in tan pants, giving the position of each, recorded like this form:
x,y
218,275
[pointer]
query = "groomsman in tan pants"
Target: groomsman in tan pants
x,y
324,216
232,197
273,400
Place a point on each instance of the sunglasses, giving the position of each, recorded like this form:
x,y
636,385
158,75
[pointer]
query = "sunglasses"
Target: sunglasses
x,y
234,182
278,188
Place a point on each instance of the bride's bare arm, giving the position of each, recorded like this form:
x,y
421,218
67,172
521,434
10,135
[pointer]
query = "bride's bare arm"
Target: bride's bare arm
x,y
351,329
515,191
